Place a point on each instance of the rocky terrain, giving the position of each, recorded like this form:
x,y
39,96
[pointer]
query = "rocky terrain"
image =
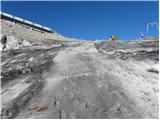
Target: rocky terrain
x,y
78,79
28,37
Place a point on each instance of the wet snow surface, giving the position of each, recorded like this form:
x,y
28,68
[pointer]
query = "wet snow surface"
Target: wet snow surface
x,y
87,80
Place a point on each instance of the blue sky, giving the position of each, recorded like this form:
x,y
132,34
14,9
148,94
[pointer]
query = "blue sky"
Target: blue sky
x,y
89,20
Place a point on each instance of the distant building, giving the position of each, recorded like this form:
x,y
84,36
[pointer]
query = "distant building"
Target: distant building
x,y
25,23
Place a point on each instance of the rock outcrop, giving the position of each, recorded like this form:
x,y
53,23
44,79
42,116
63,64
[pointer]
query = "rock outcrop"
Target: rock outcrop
x,y
28,37
82,80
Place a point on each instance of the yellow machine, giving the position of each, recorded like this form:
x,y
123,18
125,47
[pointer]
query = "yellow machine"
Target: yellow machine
x,y
113,38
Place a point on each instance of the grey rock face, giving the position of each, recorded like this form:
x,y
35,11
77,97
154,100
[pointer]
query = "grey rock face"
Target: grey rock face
x,y
139,50
82,80
21,77
18,33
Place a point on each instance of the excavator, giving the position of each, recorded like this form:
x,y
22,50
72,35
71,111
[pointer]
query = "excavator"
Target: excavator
x,y
113,38
152,24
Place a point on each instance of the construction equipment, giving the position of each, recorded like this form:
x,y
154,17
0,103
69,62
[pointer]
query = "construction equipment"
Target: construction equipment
x,y
147,32
113,38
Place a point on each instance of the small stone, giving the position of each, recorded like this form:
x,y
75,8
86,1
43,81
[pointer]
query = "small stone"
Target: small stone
x,y
27,81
